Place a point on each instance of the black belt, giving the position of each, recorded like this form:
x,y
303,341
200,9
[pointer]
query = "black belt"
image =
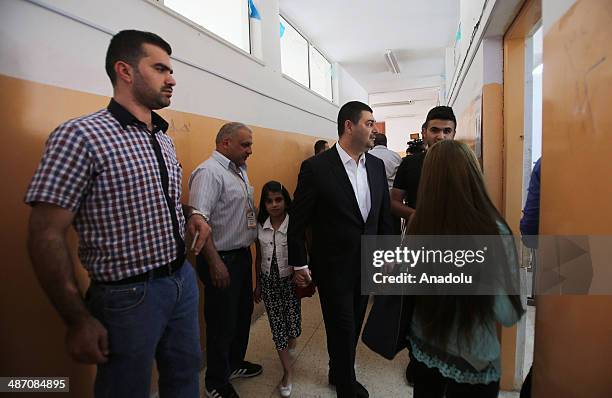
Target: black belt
x,y
159,272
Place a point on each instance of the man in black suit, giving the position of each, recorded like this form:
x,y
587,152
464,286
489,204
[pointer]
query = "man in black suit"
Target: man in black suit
x,y
341,195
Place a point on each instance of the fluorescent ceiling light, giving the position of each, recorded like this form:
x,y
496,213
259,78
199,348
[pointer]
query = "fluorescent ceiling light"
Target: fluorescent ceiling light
x,y
394,103
392,62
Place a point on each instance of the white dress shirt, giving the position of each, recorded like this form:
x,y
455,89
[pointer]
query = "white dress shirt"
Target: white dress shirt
x,y
358,176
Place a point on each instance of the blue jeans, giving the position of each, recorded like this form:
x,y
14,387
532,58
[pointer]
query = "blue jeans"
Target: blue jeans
x,y
156,319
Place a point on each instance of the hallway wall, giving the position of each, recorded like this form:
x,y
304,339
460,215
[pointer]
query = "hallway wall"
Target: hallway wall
x,y
52,69
475,91
573,345
32,337
65,42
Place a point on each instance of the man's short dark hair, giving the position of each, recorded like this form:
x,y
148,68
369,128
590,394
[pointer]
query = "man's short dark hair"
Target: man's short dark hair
x,y
350,111
380,139
441,113
319,146
126,46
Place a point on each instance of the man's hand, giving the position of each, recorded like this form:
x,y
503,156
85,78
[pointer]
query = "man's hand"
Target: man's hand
x,y
87,341
198,229
302,277
398,208
219,275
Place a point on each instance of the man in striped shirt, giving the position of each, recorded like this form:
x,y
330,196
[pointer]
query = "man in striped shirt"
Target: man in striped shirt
x,y
114,176
220,188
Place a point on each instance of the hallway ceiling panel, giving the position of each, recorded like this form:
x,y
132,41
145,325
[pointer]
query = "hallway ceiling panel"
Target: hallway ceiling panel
x,y
356,34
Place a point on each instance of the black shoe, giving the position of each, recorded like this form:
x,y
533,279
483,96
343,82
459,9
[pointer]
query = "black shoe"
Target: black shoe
x,y
247,369
360,391
227,391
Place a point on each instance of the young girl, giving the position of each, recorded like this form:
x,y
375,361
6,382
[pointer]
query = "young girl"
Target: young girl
x,y
453,339
274,276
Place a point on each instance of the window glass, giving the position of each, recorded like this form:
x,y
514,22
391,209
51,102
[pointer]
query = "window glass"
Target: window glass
x,y
294,53
320,74
228,19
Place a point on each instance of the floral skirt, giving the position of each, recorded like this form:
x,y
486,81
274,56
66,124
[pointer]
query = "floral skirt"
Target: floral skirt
x,y
282,305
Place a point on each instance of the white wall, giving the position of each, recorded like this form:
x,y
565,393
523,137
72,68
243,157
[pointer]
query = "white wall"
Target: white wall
x,y
471,87
470,15
213,78
399,130
401,118
350,90
469,12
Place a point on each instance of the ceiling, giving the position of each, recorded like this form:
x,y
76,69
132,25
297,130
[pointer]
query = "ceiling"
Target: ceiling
x,y
356,34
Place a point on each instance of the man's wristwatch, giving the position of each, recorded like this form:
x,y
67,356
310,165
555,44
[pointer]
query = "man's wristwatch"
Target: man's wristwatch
x,y
199,213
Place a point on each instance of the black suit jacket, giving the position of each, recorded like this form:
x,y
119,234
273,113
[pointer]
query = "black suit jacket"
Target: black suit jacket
x,y
324,200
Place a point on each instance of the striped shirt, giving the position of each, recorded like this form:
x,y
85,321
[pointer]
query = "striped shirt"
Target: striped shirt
x,y
103,168
391,160
223,193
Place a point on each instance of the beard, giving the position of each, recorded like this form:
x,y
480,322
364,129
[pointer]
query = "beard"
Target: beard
x,y
147,95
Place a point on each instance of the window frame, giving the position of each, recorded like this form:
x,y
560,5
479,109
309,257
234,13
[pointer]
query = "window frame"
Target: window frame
x,y
331,79
325,57
307,53
194,25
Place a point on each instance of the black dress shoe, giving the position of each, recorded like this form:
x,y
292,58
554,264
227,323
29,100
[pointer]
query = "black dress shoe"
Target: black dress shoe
x,y
360,391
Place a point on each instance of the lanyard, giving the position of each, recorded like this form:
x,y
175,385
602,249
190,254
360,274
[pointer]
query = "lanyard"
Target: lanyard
x,y
243,185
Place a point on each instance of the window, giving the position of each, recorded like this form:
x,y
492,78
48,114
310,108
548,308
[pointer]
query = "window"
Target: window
x,y
294,54
304,63
320,74
228,19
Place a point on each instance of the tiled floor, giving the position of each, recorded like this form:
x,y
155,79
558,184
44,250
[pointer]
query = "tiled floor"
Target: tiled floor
x,y
381,377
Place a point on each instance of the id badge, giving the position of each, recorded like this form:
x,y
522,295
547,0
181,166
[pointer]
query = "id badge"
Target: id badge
x,y
251,219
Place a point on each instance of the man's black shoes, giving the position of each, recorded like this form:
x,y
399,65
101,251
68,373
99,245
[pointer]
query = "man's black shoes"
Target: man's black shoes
x,y
247,369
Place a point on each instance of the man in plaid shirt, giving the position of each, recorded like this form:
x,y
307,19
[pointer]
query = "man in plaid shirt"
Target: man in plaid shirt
x,y
114,176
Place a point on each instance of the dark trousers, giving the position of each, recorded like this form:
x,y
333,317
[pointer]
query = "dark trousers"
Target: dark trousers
x,y
429,383
343,314
228,316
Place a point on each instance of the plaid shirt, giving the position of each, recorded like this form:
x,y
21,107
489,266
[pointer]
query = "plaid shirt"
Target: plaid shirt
x,y
103,168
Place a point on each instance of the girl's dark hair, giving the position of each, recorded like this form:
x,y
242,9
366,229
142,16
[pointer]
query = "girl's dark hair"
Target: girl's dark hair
x,y
271,186
452,200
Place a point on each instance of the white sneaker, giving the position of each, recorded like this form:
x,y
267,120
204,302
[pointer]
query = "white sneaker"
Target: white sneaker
x,y
285,391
